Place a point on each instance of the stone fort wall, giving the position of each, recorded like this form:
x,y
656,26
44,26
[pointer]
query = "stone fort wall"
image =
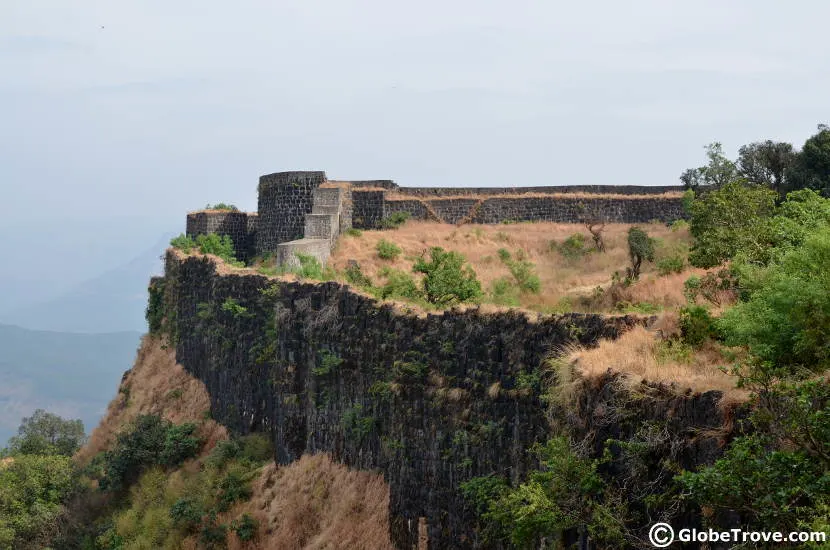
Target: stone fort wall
x,y
286,201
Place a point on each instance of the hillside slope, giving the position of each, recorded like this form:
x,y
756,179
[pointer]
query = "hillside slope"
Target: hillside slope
x,y
312,503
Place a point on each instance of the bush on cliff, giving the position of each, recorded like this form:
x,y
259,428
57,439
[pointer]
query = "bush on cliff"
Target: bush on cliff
x,y
447,280
212,243
151,441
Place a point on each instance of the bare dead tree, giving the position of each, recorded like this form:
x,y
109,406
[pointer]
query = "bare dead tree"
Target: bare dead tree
x,y
595,221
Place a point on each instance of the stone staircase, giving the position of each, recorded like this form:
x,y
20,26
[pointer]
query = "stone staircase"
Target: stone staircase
x,y
322,226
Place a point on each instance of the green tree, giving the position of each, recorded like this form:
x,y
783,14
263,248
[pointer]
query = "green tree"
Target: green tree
x,y
45,433
640,248
719,170
785,322
446,279
150,441
812,170
778,478
33,489
768,163
732,219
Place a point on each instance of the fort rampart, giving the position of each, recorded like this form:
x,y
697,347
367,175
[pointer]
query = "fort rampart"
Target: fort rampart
x,y
305,212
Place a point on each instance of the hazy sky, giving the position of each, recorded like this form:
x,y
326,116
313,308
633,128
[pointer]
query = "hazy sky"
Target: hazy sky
x,y
147,109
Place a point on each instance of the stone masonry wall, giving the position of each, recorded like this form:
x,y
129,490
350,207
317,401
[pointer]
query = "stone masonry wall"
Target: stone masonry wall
x,y
429,400
284,200
372,206
571,210
548,189
367,208
237,225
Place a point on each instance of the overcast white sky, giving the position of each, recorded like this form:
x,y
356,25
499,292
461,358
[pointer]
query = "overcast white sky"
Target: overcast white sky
x,y
131,107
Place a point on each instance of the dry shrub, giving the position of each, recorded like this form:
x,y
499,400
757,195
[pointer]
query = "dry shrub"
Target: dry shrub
x,y
315,504
637,354
155,385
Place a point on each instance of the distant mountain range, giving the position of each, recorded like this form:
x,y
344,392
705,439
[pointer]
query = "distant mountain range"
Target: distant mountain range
x,y
73,375
66,354
112,301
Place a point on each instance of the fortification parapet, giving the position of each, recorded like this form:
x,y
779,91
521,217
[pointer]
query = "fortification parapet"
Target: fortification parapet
x,y
284,200
237,225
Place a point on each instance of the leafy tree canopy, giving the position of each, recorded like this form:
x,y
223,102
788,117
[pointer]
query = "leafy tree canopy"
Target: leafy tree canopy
x,y
446,279
45,433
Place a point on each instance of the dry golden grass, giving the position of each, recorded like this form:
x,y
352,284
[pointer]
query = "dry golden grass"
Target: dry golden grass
x,y
313,503
317,504
638,355
155,385
560,276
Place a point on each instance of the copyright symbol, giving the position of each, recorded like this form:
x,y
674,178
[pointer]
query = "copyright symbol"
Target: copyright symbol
x,y
661,535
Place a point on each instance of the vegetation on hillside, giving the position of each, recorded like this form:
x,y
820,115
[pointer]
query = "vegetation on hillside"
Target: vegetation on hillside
x,y
763,316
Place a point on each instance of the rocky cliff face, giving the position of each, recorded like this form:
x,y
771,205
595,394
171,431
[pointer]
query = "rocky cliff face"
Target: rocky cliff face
x,y
430,400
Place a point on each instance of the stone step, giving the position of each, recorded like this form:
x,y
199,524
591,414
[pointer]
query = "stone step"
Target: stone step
x,y
321,226
287,252
327,196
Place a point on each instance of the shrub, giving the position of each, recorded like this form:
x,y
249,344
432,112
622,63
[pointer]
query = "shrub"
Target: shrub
x,y
256,448
187,513
399,284
149,442
679,225
711,286
221,206
245,527
352,232
232,488
311,268
640,248
504,293
522,271
214,535
446,279
573,247
387,250
355,276
328,362
230,305
183,243
218,245
672,264
696,325
395,220
785,321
